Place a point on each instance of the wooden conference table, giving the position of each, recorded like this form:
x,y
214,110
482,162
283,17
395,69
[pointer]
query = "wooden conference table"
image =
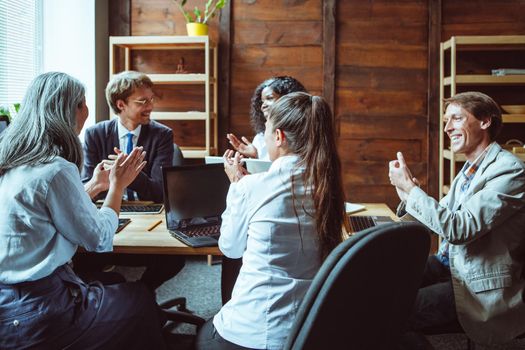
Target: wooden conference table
x,y
135,237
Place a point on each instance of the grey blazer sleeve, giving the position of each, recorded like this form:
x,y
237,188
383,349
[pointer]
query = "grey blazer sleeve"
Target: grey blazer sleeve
x,y
496,196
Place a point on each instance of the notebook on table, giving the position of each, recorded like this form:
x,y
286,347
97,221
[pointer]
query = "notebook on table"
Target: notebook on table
x,y
194,200
122,222
362,222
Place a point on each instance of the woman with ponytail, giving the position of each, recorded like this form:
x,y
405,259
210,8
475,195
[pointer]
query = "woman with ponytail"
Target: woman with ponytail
x,y
283,223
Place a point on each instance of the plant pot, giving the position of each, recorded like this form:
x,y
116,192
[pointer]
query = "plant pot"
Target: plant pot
x,y
196,29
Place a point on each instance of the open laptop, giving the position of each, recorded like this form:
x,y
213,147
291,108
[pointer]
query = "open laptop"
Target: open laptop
x,y
362,222
194,199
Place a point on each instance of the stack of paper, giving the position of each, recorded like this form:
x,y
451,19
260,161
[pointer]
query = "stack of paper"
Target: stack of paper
x,y
353,207
507,71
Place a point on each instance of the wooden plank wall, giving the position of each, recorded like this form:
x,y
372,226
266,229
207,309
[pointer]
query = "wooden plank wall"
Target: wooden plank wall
x,y
273,37
381,69
381,91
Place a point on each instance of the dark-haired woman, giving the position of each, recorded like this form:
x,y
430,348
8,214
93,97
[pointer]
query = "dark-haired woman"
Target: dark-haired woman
x,y
264,96
283,223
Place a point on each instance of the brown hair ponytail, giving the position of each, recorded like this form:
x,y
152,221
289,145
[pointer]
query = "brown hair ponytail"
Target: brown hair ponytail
x,y
307,124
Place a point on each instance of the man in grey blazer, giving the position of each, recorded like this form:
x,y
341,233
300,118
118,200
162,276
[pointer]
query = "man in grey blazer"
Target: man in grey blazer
x,y
476,281
130,95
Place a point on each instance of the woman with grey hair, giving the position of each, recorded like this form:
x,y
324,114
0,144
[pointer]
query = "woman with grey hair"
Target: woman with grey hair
x,y
45,215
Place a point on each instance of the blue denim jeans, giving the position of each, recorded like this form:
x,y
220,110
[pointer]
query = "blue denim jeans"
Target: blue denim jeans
x,y
61,311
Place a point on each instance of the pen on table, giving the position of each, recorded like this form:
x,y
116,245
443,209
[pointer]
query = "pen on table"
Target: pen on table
x,y
155,224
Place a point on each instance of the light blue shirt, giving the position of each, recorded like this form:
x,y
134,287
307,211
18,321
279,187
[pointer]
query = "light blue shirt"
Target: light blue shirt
x,y
45,214
279,259
123,135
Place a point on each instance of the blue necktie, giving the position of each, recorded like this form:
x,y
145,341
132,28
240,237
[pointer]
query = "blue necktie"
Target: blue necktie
x,y
129,149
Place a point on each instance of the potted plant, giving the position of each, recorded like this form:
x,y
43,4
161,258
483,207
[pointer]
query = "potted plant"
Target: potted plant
x,y
9,110
197,20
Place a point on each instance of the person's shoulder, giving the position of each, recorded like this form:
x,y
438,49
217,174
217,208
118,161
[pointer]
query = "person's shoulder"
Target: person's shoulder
x,y
105,126
156,126
58,165
508,159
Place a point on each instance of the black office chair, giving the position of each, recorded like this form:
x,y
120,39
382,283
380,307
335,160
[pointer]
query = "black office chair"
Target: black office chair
x,y
178,157
364,292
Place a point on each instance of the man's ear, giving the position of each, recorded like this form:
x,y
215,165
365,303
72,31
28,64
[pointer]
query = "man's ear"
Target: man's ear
x,y
120,105
485,123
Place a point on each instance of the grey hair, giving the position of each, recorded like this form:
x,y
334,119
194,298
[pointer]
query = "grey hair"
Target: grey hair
x,y
46,124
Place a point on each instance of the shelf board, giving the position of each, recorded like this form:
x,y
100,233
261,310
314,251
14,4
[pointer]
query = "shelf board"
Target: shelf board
x,y
192,78
486,40
447,154
181,115
161,42
513,118
196,152
486,80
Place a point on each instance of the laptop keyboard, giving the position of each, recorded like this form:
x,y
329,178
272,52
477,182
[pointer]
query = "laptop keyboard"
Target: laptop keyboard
x,y
361,222
202,231
150,208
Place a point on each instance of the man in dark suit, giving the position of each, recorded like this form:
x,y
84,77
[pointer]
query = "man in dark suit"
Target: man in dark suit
x,y
130,95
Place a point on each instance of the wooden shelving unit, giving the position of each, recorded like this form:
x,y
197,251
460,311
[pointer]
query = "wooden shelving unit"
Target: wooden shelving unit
x,y
125,45
450,79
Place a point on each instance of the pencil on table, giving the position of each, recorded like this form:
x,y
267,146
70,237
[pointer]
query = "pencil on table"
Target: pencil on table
x,y
155,224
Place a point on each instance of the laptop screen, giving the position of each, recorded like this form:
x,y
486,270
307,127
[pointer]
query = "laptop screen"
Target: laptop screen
x,y
194,195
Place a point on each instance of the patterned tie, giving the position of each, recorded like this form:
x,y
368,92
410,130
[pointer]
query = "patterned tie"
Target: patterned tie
x,y
129,149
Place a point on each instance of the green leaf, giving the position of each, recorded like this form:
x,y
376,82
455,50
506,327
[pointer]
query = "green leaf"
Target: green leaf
x,y
197,13
17,107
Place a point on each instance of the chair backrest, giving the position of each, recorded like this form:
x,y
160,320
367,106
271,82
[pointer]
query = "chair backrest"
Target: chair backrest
x,y
178,158
365,290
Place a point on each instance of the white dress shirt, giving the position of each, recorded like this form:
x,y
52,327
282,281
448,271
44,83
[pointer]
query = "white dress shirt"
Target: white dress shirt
x,y
280,255
259,143
123,135
123,144
44,216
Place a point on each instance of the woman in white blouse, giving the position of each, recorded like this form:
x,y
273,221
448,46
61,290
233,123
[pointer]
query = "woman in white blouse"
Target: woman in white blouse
x,y
264,96
283,223
45,215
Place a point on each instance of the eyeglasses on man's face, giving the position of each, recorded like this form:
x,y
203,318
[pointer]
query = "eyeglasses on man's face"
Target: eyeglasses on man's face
x,y
145,101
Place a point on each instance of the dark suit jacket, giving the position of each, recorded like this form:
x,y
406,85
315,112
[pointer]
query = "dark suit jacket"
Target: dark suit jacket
x,y
157,140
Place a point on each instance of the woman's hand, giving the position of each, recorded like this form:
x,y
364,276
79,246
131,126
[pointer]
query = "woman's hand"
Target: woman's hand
x,y
246,148
232,166
99,182
126,168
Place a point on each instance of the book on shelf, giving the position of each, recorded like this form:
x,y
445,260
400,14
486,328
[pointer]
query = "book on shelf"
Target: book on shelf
x,y
507,71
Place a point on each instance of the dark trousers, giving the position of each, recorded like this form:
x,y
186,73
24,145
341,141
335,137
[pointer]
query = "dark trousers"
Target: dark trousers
x,y
434,310
159,268
209,339
60,311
